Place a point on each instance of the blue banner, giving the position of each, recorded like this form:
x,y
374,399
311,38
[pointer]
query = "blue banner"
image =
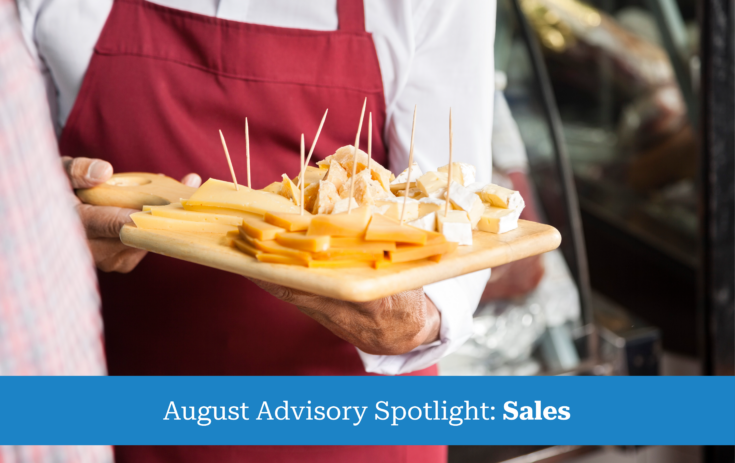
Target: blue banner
x,y
368,410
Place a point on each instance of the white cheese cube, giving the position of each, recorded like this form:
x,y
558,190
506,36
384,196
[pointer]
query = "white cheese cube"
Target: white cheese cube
x,y
461,172
432,182
427,222
403,176
467,201
428,205
499,220
498,196
475,187
455,226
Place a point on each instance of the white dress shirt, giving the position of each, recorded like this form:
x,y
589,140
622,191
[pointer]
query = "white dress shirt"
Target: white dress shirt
x,y
432,53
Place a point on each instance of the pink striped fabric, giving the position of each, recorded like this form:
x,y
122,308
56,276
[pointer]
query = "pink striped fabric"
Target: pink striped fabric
x,y
50,322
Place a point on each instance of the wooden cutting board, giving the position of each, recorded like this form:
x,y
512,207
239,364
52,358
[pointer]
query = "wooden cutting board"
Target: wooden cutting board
x,y
350,284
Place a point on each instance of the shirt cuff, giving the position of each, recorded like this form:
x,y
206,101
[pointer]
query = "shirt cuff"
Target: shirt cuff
x,y
456,300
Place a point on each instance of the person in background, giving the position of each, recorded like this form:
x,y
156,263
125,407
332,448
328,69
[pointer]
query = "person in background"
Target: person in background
x,y
146,85
510,169
50,322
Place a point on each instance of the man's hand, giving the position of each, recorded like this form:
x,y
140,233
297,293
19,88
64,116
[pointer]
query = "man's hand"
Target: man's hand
x,y
103,223
389,326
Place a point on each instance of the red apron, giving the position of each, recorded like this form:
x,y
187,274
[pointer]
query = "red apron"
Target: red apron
x,y
160,85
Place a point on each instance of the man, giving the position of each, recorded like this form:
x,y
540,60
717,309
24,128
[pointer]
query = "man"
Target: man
x,y
145,86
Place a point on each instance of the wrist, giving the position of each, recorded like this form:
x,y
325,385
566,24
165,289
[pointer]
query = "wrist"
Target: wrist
x,y
433,322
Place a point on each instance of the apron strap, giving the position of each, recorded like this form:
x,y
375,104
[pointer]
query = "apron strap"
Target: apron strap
x,y
351,15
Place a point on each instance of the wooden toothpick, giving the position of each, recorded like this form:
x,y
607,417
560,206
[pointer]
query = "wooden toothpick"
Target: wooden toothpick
x,y
247,149
354,158
449,180
303,169
313,144
410,163
229,161
370,140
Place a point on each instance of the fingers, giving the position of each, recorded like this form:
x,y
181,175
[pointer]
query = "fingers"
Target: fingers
x,y
192,180
110,255
86,172
103,221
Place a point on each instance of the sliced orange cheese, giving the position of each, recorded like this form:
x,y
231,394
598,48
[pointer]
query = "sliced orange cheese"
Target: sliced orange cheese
x,y
245,247
407,253
382,228
147,221
216,193
280,259
361,244
348,254
218,210
344,224
260,229
300,241
271,247
289,221
382,263
338,263
176,211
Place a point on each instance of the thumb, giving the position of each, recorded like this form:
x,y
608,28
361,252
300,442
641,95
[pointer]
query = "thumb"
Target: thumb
x,y
86,172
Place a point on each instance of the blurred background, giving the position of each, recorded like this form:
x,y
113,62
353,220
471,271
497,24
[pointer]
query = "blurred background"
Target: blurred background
x,y
615,119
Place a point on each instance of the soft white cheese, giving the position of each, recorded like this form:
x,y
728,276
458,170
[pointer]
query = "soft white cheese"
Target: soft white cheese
x,y
501,197
403,176
428,205
475,187
427,222
455,226
461,172
499,220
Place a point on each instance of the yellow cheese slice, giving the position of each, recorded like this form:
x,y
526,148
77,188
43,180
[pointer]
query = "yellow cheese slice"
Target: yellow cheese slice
x,y
344,224
338,263
382,228
274,187
147,221
348,254
289,221
300,241
280,259
360,243
271,247
259,229
218,210
176,211
409,252
216,193
240,244
382,263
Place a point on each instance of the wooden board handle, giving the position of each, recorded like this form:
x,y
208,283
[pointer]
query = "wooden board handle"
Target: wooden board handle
x,y
134,190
